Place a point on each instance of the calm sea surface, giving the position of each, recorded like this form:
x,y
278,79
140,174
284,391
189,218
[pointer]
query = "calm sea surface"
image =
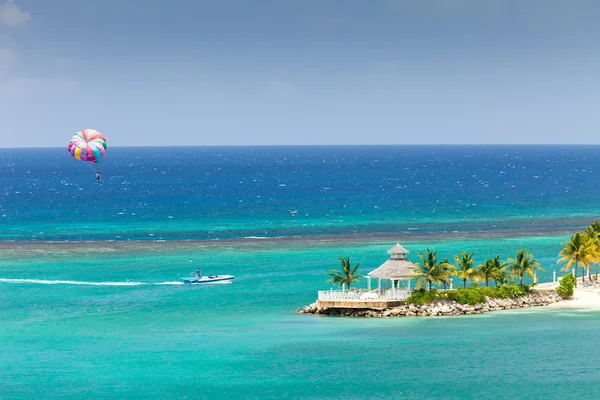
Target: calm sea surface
x,y
90,306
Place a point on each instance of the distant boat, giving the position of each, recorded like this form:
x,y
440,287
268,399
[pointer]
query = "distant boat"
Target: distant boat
x,y
292,211
205,279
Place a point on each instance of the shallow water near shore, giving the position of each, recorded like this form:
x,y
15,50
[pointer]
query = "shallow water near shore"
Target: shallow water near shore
x,y
109,319
161,339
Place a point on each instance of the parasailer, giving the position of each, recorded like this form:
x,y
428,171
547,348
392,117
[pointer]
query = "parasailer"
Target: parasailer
x,y
89,145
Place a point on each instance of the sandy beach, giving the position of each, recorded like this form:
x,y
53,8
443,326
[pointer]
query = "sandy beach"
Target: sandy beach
x,y
582,298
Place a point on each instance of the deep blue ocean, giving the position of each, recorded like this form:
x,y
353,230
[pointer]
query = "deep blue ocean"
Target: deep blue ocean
x,y
236,192
90,305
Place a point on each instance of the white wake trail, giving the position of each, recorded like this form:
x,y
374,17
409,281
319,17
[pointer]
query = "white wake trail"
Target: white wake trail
x,y
67,282
62,282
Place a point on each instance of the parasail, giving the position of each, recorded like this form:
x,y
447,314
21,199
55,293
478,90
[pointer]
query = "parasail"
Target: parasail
x,y
88,145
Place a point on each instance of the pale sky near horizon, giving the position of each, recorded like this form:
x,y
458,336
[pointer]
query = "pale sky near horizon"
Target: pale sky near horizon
x,y
233,72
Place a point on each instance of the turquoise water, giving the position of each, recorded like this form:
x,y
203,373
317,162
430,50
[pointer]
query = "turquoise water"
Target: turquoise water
x,y
105,317
244,340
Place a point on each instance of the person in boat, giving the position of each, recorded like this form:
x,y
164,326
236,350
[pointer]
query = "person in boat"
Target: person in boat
x,y
198,273
99,176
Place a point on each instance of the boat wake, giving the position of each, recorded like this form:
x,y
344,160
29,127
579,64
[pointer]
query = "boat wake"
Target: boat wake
x,y
66,282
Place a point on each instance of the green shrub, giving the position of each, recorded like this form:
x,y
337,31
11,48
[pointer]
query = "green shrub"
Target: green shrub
x,y
477,295
469,296
489,291
565,288
510,292
421,297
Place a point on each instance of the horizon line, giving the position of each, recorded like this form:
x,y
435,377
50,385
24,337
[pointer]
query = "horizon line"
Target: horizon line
x,y
331,145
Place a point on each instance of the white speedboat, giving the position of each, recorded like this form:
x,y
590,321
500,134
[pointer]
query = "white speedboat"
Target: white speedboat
x,y
204,279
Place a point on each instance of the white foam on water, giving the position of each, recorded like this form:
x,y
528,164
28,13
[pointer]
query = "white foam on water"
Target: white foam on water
x,y
67,282
63,282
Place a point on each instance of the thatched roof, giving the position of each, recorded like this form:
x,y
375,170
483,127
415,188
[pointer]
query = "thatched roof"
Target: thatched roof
x,y
398,249
394,269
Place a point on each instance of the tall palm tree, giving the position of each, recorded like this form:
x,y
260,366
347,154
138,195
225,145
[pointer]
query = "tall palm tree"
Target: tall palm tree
x,y
503,275
491,269
464,267
450,271
523,264
427,269
593,233
574,252
430,271
347,275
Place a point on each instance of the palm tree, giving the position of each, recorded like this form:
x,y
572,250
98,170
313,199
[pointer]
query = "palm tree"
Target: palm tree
x,y
450,271
523,264
347,275
574,252
502,277
430,271
491,269
593,233
464,267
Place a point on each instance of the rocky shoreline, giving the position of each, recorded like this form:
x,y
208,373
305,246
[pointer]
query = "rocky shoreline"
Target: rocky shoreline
x,y
441,307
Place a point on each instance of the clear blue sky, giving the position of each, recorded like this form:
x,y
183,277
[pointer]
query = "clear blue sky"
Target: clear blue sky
x,y
231,72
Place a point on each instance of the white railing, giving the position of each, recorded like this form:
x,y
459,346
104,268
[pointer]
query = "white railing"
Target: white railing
x,y
397,294
365,295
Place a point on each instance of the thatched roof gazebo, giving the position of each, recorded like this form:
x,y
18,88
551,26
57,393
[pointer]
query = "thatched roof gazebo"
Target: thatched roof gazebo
x,y
398,269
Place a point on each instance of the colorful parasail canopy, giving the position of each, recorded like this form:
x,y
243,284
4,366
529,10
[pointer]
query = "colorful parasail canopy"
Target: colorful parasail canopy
x,y
88,145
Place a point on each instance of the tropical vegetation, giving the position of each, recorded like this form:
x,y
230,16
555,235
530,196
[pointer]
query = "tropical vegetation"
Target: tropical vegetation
x,y
471,296
566,286
429,270
523,264
492,269
346,275
464,267
582,250
432,272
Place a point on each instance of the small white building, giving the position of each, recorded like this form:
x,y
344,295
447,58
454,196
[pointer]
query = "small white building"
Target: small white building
x,y
396,272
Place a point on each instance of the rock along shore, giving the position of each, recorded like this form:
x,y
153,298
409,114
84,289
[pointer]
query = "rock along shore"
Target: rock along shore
x,y
441,307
